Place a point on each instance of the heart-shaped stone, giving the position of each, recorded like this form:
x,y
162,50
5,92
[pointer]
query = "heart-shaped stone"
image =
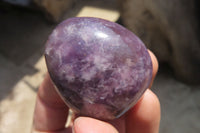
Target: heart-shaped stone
x,y
100,68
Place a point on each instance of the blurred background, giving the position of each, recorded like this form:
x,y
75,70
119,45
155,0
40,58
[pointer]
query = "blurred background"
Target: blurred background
x,y
169,29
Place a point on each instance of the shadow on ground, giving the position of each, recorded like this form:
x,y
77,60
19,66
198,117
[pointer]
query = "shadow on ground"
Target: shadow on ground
x,y
23,34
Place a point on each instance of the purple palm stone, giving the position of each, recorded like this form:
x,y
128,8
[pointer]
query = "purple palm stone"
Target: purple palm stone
x,y
100,69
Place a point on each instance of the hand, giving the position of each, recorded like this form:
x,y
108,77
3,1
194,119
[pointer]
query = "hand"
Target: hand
x,y
51,114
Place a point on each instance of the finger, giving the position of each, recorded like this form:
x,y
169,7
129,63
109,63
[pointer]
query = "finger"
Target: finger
x,y
144,117
50,111
91,125
154,65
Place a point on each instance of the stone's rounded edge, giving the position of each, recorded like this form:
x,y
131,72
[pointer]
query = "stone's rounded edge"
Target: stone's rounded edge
x,y
71,96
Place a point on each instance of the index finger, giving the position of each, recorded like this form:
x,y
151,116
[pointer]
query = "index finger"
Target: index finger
x,y
50,110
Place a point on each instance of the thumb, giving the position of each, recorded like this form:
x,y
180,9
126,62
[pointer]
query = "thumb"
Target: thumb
x,y
91,125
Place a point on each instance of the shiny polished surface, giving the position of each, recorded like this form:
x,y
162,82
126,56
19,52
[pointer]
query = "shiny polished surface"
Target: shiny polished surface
x,y
99,68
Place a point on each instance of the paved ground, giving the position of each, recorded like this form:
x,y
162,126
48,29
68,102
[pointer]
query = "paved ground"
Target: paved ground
x,y
22,68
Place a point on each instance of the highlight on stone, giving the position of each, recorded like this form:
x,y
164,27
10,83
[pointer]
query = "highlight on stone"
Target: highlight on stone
x,y
99,68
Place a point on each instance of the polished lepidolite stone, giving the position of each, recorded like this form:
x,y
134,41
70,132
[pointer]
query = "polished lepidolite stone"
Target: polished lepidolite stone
x,y
100,68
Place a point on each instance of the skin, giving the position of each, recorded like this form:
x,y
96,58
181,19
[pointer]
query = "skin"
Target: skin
x,y
51,113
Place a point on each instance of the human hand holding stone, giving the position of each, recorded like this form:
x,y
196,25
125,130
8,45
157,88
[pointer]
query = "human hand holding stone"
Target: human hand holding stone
x,y
101,70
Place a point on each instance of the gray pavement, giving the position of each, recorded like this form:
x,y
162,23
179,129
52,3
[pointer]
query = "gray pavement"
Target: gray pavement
x,y
22,67
180,106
